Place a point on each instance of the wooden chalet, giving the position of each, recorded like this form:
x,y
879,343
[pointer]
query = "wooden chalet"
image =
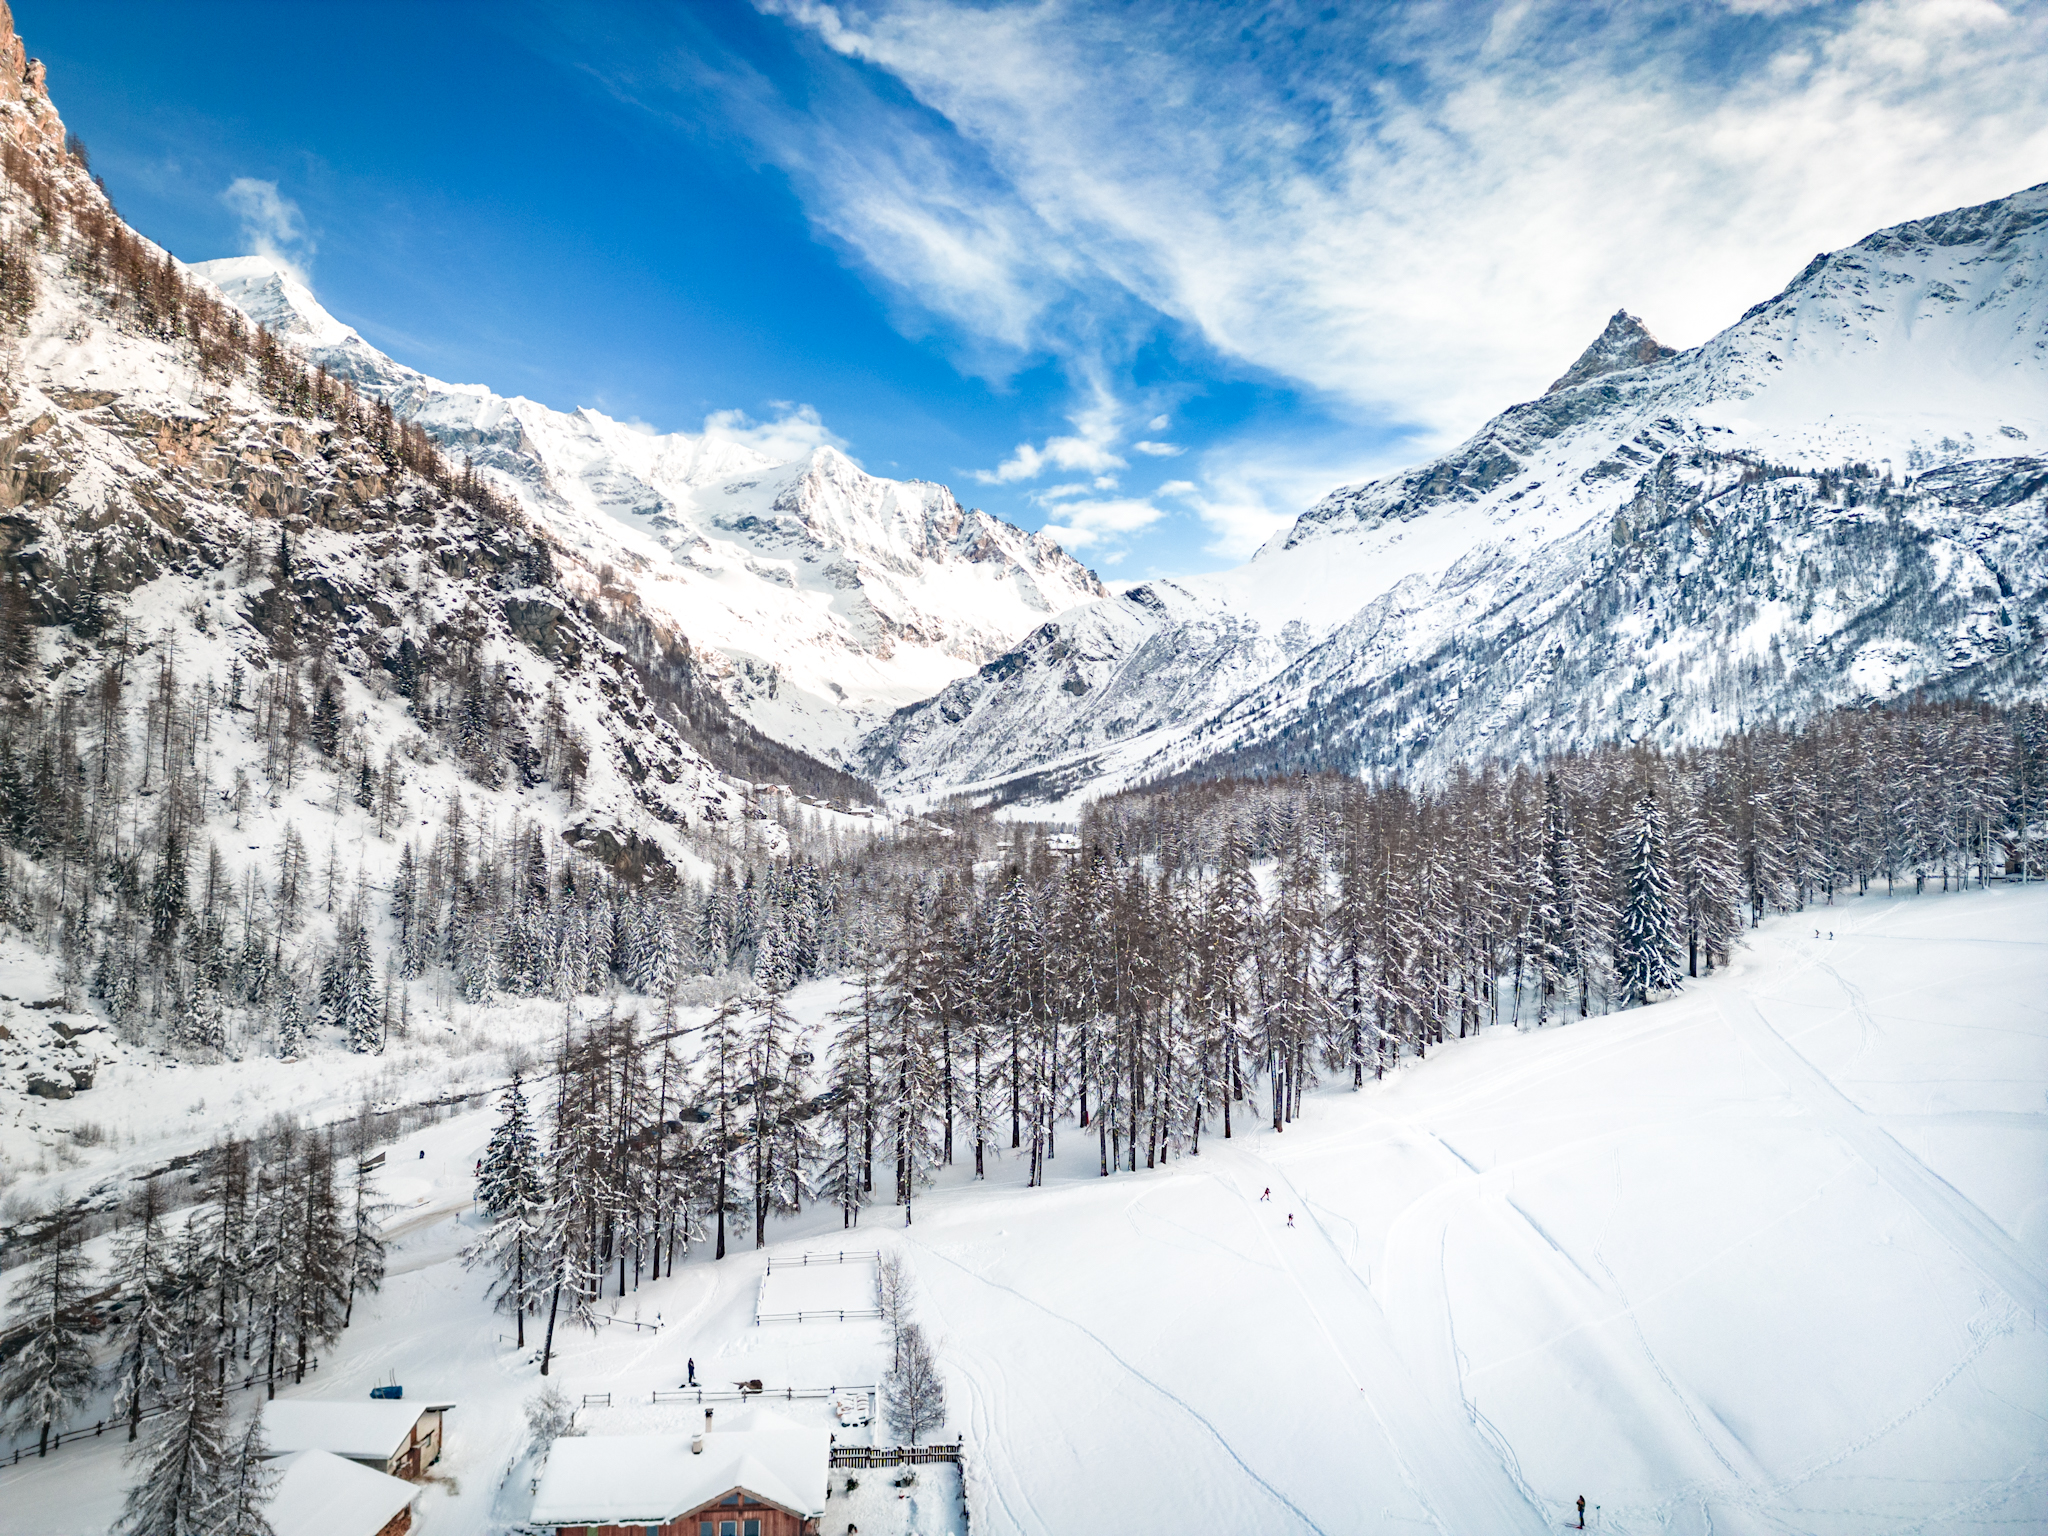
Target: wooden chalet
x,y
761,1476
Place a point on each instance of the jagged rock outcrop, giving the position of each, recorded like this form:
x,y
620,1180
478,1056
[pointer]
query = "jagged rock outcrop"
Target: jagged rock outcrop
x,y
1625,343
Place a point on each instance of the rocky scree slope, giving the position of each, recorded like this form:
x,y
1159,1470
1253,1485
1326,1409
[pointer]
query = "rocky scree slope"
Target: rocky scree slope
x,y
1839,499
818,597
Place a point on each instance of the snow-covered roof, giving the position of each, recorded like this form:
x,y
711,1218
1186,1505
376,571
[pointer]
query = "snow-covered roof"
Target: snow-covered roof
x,y
320,1494
364,1431
650,1479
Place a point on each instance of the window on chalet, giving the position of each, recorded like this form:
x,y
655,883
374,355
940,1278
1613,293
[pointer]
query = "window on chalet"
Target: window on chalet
x,y
751,1528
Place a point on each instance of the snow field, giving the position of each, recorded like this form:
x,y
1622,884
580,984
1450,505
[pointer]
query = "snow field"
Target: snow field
x,y
1745,1261
833,1281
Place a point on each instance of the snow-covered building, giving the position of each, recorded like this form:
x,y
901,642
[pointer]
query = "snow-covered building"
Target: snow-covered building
x,y
761,1476
395,1438
321,1494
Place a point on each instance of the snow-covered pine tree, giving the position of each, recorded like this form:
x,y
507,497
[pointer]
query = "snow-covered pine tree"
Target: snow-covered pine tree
x,y
356,1004
291,1018
204,1026
1646,947
848,1131
780,1146
579,1145
908,1087
319,1272
721,1070
250,1483
1709,876
148,1330
51,1370
1233,917
365,1262
513,1194
186,1476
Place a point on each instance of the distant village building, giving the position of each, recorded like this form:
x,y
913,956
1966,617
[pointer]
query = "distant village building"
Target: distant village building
x,y
761,1475
321,1494
398,1439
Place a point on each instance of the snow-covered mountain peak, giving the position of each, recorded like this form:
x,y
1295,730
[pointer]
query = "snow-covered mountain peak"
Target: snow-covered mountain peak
x,y
824,596
272,295
1625,343
1612,557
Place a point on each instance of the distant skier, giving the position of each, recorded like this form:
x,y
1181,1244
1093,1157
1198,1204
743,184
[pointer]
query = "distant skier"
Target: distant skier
x,y
1268,1194
1582,1511
693,1374
1290,1218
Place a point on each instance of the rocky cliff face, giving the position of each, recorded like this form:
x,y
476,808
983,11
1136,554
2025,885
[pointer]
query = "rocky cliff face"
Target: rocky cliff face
x,y
1837,499
822,596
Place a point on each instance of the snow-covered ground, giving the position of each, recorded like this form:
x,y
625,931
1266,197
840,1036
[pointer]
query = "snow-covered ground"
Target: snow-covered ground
x,y
1768,1257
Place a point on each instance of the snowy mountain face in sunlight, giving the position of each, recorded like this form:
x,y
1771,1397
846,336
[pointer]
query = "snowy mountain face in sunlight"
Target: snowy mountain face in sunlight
x,y
1840,498
824,596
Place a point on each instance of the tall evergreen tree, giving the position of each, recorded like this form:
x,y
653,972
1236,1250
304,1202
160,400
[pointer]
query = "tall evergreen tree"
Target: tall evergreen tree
x,y
513,1195
149,1336
1646,942
185,1484
51,1370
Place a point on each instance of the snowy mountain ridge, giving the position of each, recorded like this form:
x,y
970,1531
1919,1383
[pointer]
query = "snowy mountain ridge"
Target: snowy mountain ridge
x,y
829,596
1837,499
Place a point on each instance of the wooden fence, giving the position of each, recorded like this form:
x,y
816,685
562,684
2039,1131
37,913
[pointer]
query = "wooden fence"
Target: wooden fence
x,y
119,1421
852,1456
766,1394
813,1260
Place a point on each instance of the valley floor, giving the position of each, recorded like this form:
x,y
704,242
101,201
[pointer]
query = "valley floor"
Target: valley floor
x,y
1769,1257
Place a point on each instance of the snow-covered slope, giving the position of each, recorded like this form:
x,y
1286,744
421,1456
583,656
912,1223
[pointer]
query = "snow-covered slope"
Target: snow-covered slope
x,y
1839,497
831,596
1769,1257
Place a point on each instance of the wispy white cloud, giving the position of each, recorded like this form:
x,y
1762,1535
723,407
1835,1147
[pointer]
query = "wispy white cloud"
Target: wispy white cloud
x,y
1420,214
272,225
790,435
1093,524
1158,450
1087,448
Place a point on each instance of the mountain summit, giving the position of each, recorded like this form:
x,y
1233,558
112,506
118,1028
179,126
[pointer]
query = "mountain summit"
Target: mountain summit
x,y
821,597
1626,343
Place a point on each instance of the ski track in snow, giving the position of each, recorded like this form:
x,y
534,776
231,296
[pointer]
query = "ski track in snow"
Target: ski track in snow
x,y
1965,1227
1165,1392
1462,1485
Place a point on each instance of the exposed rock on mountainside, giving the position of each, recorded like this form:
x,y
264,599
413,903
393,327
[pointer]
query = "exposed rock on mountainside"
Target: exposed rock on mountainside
x,y
820,596
188,508
1834,500
1626,343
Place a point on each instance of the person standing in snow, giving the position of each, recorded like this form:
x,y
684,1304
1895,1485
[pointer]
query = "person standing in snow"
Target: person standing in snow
x,y
693,1373
1268,1194
1582,1511
1290,1218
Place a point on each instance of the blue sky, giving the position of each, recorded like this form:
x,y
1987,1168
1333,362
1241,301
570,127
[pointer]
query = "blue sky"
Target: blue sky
x,y
1153,276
